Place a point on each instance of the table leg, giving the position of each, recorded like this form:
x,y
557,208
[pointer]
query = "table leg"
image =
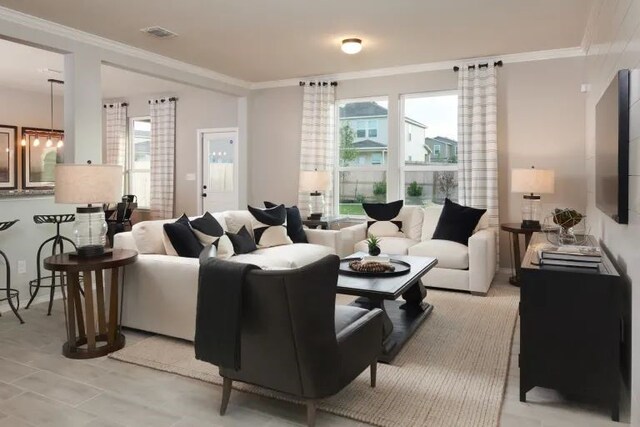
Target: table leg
x,y
387,324
515,250
72,290
113,307
102,323
414,297
89,310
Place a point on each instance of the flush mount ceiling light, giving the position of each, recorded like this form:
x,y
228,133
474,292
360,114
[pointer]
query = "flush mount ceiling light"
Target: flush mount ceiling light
x,y
351,46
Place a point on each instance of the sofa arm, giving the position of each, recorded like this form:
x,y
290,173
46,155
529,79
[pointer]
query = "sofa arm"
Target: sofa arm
x,y
124,240
352,235
482,260
329,238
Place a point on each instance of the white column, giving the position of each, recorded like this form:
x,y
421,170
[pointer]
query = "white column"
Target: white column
x,y
393,155
243,151
82,107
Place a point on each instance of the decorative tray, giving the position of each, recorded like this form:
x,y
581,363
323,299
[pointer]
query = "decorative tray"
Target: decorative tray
x,y
399,268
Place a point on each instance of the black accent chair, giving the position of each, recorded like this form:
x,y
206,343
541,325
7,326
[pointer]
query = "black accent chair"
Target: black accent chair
x,y
295,339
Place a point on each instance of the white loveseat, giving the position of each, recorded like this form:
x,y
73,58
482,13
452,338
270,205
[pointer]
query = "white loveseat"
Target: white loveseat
x,y
160,290
468,268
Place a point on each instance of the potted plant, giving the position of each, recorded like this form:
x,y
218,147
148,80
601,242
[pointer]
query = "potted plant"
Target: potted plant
x,y
373,242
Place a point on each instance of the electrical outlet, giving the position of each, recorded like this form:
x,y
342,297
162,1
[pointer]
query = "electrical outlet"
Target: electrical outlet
x,y
22,266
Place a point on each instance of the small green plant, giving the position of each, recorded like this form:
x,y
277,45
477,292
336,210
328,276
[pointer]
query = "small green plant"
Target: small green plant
x,y
372,242
380,188
414,190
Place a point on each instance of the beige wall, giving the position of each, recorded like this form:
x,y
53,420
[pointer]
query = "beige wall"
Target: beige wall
x,y
195,109
541,120
616,37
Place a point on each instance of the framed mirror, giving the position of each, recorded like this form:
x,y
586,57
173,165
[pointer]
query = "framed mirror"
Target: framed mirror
x,y
8,157
43,148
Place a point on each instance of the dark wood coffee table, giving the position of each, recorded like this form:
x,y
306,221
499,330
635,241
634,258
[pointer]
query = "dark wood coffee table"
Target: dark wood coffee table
x,y
401,318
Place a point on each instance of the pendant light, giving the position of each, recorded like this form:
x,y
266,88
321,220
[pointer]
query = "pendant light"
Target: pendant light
x,y
49,142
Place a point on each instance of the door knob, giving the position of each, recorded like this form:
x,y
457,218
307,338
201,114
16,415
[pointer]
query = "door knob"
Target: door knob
x,y
204,194
204,187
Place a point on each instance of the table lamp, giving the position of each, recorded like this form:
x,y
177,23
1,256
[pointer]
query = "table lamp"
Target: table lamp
x,y
532,182
88,184
315,182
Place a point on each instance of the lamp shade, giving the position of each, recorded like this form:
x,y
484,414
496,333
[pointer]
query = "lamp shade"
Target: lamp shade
x,y
87,184
314,180
534,181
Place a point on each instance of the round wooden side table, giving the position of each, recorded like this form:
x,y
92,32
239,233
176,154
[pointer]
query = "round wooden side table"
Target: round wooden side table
x,y
93,324
515,230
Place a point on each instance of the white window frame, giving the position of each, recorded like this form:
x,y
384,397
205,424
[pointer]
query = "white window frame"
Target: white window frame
x,y
129,157
401,143
371,168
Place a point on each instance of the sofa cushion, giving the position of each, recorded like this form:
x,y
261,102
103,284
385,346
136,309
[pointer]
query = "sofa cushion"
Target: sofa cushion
x,y
242,241
148,235
430,219
389,245
295,230
297,254
270,226
383,219
457,222
411,217
265,262
450,254
181,238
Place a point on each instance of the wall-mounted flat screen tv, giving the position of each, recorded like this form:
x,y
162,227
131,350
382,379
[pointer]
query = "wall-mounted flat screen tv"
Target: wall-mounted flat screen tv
x,y
612,149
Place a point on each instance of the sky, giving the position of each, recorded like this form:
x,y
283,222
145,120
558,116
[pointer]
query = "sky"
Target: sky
x,y
439,113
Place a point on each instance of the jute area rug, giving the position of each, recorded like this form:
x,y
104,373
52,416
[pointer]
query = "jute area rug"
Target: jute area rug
x,y
451,373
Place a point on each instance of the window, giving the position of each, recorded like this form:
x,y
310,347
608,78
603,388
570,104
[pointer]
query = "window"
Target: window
x,y
362,171
433,118
138,171
372,129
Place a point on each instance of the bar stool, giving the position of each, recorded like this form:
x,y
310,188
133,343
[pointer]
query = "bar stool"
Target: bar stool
x,y
11,293
56,248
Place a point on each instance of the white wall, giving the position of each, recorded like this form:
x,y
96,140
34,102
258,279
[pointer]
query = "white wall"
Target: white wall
x,y
615,36
540,120
195,109
29,109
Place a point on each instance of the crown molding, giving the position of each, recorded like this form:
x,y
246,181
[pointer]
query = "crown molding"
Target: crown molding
x,y
541,55
590,28
75,35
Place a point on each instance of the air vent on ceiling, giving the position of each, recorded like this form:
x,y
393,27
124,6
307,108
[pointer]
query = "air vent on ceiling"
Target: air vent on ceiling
x,y
159,32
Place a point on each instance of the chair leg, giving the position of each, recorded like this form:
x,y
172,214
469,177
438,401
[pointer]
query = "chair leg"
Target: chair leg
x,y
226,394
311,413
373,368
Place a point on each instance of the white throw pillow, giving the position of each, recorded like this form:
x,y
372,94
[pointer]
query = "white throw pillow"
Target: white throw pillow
x,y
384,219
270,226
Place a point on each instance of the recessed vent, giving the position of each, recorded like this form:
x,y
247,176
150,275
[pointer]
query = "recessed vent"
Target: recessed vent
x,y
161,33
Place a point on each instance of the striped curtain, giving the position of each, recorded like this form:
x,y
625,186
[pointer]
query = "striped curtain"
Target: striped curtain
x,y
478,141
115,132
163,148
318,139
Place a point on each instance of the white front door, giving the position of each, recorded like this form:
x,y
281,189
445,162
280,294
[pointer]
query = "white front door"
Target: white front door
x,y
219,180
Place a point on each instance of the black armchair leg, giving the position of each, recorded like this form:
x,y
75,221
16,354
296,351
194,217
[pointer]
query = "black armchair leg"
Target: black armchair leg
x,y
311,413
226,394
373,368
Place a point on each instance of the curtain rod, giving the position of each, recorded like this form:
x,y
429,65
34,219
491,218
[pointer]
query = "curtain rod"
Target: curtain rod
x,y
111,105
471,67
319,83
172,99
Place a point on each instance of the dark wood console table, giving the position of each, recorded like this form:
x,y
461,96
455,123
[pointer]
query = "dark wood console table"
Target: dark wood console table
x,y
571,328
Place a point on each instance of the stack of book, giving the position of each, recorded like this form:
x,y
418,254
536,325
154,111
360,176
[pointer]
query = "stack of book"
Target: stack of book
x,y
571,256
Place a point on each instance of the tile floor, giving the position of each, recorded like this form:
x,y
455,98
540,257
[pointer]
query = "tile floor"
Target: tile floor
x,y
39,387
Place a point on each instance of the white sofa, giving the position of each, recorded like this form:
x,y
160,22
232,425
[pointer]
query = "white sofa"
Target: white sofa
x,y
160,290
468,268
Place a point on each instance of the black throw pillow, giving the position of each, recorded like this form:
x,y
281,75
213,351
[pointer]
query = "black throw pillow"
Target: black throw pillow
x,y
207,229
270,226
294,223
242,242
457,222
182,238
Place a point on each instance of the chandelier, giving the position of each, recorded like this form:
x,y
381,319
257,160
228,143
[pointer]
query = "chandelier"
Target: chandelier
x,y
51,134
